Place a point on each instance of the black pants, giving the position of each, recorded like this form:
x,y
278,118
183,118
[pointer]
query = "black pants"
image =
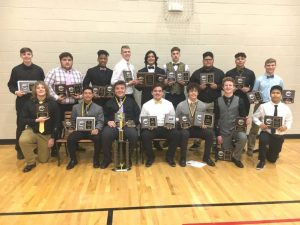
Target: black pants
x,y
275,144
171,135
109,134
63,108
175,99
75,136
20,128
196,132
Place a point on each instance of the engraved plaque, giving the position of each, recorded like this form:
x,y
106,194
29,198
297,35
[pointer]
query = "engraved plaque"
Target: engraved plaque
x,y
60,89
240,124
85,123
288,96
127,75
26,85
273,121
208,119
42,110
184,121
239,82
206,78
160,78
171,76
148,122
224,154
109,91
170,121
254,97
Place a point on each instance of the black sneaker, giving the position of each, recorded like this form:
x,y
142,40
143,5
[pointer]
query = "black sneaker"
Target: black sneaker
x,y
260,165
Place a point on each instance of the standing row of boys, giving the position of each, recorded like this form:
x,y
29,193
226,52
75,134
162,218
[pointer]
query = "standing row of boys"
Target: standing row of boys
x,y
42,130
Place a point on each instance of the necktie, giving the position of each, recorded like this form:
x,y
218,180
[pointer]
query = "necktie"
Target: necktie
x,y
41,124
273,130
150,67
158,101
175,64
121,110
103,68
272,76
128,66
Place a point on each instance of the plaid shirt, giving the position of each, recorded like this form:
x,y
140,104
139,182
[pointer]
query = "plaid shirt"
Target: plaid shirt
x,y
59,76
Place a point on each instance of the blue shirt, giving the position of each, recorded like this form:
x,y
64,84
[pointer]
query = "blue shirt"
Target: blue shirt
x,y
263,84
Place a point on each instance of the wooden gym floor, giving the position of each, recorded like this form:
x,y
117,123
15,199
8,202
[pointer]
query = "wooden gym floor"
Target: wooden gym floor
x,y
160,194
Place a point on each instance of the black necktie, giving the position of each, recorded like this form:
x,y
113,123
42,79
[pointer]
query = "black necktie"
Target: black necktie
x,y
175,64
150,67
273,130
272,76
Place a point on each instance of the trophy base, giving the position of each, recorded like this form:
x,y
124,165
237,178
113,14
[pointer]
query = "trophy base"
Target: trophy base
x,y
119,169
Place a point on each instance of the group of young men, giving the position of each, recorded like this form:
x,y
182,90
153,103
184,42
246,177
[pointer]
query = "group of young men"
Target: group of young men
x,y
167,98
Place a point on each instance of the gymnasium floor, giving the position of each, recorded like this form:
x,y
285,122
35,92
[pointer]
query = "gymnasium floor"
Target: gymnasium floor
x,y
160,194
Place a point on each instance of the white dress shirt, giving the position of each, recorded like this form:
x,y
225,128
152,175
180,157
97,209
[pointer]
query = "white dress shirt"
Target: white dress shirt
x,y
160,110
267,109
121,66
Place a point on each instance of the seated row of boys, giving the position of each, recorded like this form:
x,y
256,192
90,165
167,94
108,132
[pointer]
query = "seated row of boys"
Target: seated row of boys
x,y
40,132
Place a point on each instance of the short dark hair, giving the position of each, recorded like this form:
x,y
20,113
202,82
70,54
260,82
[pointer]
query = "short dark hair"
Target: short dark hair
x,y
192,86
87,88
64,55
205,54
175,49
24,50
119,82
147,54
240,54
157,85
276,87
228,79
102,52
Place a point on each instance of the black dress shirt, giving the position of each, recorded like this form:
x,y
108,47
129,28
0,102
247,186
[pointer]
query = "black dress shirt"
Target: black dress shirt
x,y
98,77
227,100
29,115
209,95
249,82
130,108
23,72
146,91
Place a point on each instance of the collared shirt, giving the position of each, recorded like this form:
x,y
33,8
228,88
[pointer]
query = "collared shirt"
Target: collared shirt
x,y
118,74
267,109
175,66
160,110
263,84
61,76
151,70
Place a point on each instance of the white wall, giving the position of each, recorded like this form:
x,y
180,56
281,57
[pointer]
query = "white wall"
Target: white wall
x,y
261,28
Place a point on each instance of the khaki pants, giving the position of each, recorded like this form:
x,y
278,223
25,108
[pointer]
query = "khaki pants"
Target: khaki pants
x,y
30,141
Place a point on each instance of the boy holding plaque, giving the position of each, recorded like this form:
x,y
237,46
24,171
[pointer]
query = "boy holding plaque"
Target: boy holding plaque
x,y
119,105
91,129
124,71
175,88
227,108
99,75
263,84
160,108
26,71
41,115
280,118
244,78
190,108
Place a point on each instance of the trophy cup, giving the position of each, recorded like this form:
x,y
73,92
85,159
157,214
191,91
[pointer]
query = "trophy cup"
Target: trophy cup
x,y
60,89
288,96
273,122
127,76
184,121
121,148
42,110
148,122
85,123
239,82
26,85
170,121
240,124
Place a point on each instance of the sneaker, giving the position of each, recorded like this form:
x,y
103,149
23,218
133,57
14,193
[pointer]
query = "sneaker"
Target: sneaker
x,y
260,165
